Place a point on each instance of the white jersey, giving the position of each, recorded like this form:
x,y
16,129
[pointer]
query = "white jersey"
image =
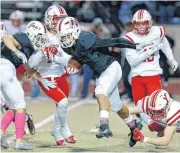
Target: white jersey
x,y
144,65
173,115
49,68
12,29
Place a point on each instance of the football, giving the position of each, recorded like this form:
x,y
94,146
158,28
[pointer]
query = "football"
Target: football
x,y
74,63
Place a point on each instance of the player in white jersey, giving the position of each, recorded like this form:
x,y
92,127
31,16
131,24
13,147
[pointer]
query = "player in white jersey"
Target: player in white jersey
x,y
145,69
163,110
55,70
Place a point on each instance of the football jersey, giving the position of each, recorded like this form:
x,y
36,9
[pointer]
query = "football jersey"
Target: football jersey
x,y
173,115
49,68
150,66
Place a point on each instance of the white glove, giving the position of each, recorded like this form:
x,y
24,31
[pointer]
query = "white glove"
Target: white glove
x,y
174,65
71,70
48,84
21,55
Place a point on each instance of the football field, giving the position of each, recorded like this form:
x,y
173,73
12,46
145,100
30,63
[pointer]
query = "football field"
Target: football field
x,y
82,116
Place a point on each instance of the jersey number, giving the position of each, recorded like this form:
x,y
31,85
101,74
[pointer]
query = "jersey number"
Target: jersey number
x,y
150,59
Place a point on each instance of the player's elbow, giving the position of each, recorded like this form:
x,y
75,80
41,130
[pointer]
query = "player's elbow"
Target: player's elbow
x,y
165,141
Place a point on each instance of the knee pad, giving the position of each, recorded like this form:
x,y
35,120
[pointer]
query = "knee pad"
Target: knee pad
x,y
117,108
62,105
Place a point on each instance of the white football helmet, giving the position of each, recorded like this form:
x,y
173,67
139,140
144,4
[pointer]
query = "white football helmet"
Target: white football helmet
x,y
68,31
159,104
142,22
17,15
52,16
37,34
3,30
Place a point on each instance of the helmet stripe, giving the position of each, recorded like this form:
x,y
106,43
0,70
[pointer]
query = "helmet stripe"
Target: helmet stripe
x,y
155,96
143,101
147,105
60,9
139,14
142,14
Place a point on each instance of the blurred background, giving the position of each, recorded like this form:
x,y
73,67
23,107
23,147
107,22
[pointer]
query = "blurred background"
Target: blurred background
x,y
106,19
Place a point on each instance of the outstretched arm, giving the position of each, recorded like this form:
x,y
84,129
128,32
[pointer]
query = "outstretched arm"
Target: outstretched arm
x,y
114,42
161,141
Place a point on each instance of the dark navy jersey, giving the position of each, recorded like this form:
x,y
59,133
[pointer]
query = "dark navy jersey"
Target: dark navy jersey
x,y
26,48
85,51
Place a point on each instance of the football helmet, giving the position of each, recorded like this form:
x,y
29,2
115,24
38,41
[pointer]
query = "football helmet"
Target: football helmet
x,y
3,30
142,22
53,14
37,34
159,104
68,31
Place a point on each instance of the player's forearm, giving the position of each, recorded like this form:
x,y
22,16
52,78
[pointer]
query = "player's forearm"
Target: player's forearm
x,y
37,76
160,141
10,42
135,110
166,49
114,42
135,60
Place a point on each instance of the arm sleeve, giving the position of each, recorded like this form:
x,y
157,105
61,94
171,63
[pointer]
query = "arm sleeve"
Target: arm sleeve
x,y
63,60
35,59
166,49
114,42
134,58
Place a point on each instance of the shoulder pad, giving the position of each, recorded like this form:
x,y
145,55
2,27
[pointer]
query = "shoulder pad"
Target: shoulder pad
x,y
159,31
129,36
87,39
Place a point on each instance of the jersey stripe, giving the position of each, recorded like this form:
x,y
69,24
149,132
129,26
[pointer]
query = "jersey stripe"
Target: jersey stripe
x,y
173,116
178,117
129,38
162,30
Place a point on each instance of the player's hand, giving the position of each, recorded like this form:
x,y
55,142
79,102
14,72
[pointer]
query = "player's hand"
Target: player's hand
x,y
137,135
71,70
21,55
174,65
48,84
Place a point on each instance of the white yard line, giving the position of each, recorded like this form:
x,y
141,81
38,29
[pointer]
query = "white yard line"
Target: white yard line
x,y
48,119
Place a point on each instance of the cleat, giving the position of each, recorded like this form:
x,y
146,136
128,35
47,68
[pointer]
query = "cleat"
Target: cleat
x,y
60,143
22,146
132,142
30,124
4,143
104,131
71,139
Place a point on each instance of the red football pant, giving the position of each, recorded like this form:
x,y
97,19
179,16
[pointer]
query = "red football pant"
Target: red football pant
x,y
145,85
60,92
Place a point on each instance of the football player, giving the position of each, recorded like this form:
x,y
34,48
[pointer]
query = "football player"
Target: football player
x,y
16,49
29,119
55,71
163,110
106,69
145,69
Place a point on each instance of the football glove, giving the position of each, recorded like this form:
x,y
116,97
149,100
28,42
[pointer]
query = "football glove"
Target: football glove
x,y
174,65
21,55
48,84
138,135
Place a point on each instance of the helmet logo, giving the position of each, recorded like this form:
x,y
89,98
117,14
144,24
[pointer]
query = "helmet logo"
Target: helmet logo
x,y
34,26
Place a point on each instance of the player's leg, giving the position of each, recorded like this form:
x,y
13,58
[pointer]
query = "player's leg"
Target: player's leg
x,y
138,88
104,86
12,89
65,130
153,83
61,108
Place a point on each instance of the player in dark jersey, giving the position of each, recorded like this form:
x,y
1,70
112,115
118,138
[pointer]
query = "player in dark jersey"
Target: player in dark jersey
x,y
106,69
16,49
